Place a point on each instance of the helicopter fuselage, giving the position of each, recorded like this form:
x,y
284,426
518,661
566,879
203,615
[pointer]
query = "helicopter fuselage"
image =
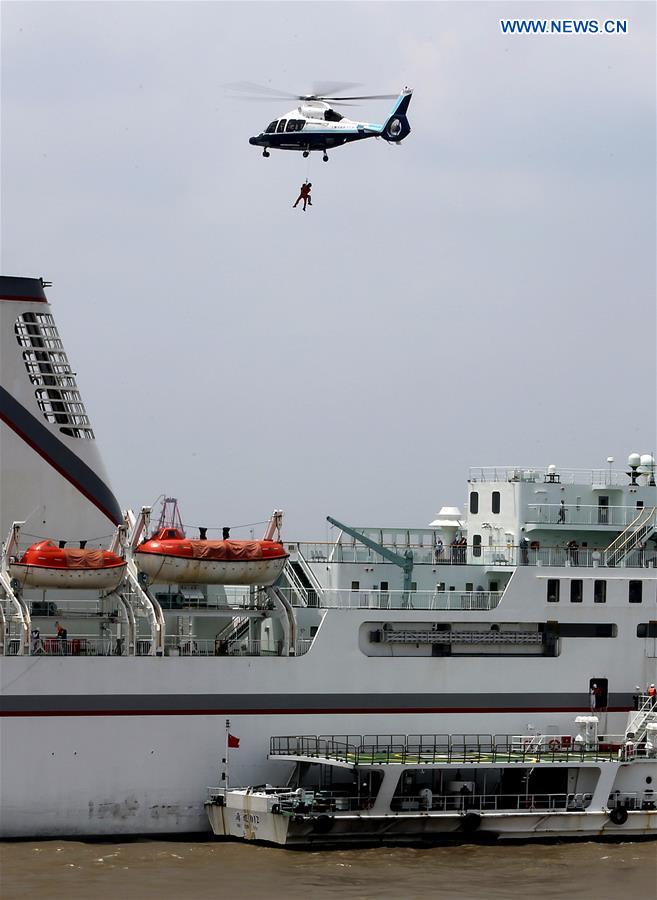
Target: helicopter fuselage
x,y
314,125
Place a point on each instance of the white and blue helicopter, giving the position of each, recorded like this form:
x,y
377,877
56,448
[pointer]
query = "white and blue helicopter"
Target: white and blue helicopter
x,y
315,125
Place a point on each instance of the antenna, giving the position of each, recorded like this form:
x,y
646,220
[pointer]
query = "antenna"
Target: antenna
x,y
610,462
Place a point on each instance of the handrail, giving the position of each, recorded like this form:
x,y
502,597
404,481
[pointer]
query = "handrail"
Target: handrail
x,y
295,582
444,749
308,572
647,712
630,537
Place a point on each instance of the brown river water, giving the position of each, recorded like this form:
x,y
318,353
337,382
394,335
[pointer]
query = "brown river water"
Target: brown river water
x,y
140,870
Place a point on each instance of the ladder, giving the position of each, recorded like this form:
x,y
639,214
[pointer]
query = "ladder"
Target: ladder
x,y
12,590
637,725
636,532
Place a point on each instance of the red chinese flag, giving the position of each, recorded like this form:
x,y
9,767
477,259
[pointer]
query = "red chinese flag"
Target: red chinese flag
x,y
233,741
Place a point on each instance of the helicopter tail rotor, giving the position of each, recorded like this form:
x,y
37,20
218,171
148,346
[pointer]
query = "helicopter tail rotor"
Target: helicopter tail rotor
x,y
397,126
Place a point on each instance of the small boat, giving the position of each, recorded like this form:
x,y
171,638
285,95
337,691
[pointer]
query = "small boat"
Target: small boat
x,y
348,789
46,565
171,558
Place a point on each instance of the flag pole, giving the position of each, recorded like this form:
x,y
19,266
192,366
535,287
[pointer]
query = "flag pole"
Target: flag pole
x,y
226,759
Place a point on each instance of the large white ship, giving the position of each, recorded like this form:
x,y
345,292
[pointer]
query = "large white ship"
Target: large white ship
x,y
536,603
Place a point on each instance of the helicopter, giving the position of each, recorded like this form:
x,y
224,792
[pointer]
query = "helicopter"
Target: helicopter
x,y
315,125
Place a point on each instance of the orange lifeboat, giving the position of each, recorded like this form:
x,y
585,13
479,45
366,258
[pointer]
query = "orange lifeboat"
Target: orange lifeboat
x,y
46,565
170,558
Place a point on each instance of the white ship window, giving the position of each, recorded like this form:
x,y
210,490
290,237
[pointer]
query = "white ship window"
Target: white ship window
x,y
635,591
599,591
553,590
476,545
474,502
49,371
576,590
355,585
495,502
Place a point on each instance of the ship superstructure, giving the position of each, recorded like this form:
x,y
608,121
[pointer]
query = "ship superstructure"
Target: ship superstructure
x,y
535,603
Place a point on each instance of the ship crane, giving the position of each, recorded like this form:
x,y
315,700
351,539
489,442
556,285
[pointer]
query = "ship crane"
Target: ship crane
x,y
404,562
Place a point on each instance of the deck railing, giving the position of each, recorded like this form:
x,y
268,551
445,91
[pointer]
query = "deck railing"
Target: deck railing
x,y
543,476
459,749
190,646
458,600
502,555
578,514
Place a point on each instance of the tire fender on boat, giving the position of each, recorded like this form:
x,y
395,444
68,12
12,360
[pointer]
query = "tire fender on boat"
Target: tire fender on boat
x,y
618,815
471,822
323,824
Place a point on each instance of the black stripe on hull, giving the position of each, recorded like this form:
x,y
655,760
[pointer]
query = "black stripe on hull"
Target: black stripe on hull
x,y
298,704
58,455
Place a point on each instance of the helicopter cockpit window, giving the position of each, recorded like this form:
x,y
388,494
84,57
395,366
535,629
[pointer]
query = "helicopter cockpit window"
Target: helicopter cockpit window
x,y
291,125
281,125
271,128
331,116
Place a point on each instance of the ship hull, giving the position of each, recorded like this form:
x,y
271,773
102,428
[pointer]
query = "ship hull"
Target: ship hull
x,y
121,746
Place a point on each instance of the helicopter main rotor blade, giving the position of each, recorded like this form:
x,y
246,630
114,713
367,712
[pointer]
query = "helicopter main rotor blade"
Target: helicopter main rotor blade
x,y
364,97
321,88
251,88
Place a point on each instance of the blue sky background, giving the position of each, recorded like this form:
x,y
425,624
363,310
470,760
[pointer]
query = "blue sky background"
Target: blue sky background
x,y
483,295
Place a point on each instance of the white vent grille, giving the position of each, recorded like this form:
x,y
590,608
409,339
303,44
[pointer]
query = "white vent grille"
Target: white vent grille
x,y
49,371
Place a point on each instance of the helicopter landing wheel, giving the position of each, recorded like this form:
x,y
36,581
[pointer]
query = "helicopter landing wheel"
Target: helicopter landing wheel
x,y
306,154
266,153
325,157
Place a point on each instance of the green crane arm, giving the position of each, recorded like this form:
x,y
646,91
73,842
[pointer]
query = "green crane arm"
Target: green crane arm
x,y
404,562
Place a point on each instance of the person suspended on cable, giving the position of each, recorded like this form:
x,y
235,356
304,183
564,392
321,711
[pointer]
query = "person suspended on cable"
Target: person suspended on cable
x,y
304,194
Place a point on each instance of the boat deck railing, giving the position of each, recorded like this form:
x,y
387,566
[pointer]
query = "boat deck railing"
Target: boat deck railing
x,y
80,645
455,749
344,598
460,801
496,474
190,646
496,555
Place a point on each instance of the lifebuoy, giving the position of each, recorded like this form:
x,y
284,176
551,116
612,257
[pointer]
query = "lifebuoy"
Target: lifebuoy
x,y
618,815
554,745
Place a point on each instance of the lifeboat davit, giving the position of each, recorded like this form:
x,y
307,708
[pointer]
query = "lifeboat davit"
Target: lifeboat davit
x,y
171,558
46,565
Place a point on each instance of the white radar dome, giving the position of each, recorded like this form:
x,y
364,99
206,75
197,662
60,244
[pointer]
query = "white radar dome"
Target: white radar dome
x,y
552,469
633,460
647,460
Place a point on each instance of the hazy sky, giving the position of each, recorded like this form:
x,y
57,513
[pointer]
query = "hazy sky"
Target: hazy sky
x,y
484,294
